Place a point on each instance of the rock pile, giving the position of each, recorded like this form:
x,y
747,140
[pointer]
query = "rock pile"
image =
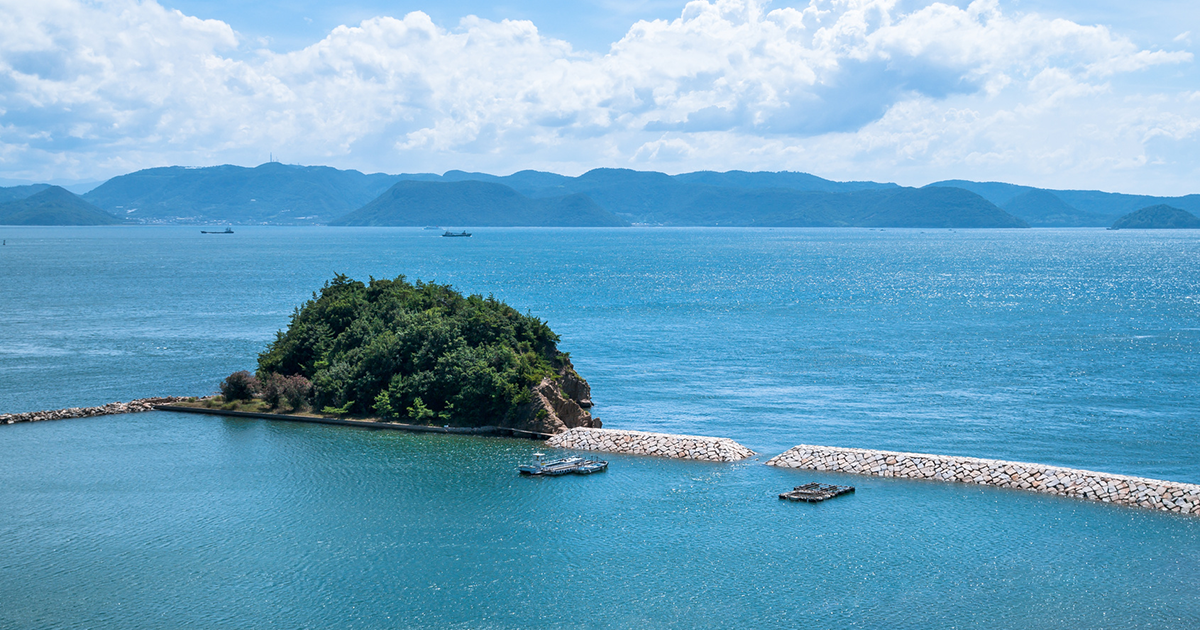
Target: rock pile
x,y
1068,482
709,449
133,406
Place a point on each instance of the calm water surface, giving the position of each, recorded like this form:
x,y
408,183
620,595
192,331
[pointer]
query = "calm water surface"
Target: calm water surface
x,y
1073,347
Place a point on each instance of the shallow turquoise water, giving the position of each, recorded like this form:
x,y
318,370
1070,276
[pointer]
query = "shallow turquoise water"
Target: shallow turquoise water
x,y
1074,347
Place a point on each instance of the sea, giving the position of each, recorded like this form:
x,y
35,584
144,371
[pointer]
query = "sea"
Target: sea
x,y
1073,347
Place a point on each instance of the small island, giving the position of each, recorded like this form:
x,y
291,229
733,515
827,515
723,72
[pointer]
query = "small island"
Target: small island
x,y
414,353
1160,217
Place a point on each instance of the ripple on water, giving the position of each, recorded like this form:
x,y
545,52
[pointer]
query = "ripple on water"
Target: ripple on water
x,y
1069,347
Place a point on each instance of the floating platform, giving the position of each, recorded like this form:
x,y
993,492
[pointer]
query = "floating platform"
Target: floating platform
x,y
816,492
564,466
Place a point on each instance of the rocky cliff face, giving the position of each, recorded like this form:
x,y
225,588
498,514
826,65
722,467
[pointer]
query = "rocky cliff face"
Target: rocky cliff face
x,y
558,404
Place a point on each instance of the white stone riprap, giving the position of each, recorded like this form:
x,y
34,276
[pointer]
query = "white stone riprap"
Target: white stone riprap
x,y
1068,482
709,449
133,406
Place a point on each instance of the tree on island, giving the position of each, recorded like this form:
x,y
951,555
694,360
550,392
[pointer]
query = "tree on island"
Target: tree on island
x,y
240,385
424,353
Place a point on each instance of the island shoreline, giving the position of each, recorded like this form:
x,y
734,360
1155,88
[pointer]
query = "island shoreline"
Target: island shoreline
x,y
365,424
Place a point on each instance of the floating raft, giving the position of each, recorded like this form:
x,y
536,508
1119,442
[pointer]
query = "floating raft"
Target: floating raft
x,y
815,492
565,466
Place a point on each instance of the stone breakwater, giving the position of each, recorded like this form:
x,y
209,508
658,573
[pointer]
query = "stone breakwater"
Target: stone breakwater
x,y
709,449
133,406
1083,484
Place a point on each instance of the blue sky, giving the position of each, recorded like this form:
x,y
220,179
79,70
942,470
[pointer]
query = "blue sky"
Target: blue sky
x,y
1094,94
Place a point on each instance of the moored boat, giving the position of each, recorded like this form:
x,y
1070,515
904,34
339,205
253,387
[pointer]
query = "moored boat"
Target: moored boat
x,y
564,466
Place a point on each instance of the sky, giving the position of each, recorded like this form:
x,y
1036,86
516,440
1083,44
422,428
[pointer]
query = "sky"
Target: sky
x,y
1085,94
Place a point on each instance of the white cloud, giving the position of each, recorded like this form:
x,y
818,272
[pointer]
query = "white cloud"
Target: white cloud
x,y
844,88
664,150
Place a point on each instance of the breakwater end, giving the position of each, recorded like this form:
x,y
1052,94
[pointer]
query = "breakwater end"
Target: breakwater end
x,y
699,447
133,406
1167,496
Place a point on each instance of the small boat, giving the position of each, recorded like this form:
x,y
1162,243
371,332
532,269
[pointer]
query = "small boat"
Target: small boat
x,y
228,230
815,492
432,227
448,233
564,466
588,468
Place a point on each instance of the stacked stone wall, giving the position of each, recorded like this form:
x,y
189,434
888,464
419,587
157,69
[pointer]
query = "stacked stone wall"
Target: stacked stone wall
x,y
709,449
133,406
1068,482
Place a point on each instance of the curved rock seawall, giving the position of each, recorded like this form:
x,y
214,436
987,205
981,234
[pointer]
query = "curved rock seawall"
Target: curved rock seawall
x,y
1068,482
133,406
709,449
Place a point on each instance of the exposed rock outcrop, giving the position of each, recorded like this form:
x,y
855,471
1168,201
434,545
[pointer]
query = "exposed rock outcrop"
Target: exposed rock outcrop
x,y
133,406
557,404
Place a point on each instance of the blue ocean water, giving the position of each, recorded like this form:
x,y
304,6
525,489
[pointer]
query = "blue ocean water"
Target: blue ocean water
x,y
1069,347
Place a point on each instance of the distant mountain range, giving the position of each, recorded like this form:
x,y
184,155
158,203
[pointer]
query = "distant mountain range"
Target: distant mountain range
x,y
17,193
275,193
281,194
477,203
270,193
1066,208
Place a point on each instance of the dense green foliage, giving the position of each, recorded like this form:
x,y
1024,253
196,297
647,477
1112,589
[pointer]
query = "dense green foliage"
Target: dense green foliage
x,y
240,385
54,206
419,351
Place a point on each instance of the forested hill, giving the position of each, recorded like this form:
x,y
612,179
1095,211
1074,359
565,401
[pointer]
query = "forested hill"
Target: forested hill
x,y
1159,217
474,203
426,354
17,193
53,205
